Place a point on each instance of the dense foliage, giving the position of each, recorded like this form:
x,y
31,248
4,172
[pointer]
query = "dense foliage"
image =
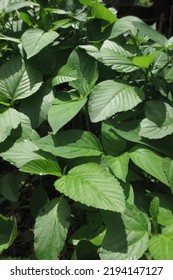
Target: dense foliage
x,y
86,133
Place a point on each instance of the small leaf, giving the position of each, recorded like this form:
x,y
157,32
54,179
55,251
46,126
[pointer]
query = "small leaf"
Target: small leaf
x,y
66,106
42,167
8,232
34,40
159,120
92,185
71,144
18,79
51,229
110,97
146,60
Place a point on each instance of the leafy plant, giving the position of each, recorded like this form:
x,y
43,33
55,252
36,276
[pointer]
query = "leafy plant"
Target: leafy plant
x,y
86,116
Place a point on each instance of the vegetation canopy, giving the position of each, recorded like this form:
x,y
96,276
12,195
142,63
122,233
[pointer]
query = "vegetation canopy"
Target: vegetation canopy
x,y
86,133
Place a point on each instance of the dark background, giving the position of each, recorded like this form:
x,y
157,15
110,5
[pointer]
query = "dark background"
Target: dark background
x,y
151,11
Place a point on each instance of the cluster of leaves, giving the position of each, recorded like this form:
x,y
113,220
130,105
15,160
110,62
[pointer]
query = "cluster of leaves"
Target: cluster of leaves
x,y
86,119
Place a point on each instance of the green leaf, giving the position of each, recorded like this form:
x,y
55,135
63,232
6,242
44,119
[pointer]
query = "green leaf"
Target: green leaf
x,y
168,169
42,167
38,199
161,246
34,40
165,217
112,143
10,185
66,74
51,229
21,153
8,232
11,6
9,119
124,25
159,120
112,54
150,162
154,211
110,97
101,12
71,144
119,165
151,33
146,60
84,69
18,79
66,106
7,38
92,185
127,236
129,130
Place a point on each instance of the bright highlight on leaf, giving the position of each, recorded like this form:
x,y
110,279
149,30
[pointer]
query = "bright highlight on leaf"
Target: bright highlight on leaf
x,y
34,40
110,97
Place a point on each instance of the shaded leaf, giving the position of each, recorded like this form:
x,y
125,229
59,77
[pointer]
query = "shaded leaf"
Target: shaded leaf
x,y
8,232
71,144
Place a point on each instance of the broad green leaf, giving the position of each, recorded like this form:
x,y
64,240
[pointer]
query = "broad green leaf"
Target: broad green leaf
x,y
159,120
112,143
168,169
129,130
51,229
151,33
146,60
21,153
8,232
42,167
18,80
9,119
86,69
124,25
119,165
127,235
66,74
10,6
100,12
161,246
110,97
10,185
92,185
66,106
112,54
150,162
71,144
34,40
165,217
36,107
